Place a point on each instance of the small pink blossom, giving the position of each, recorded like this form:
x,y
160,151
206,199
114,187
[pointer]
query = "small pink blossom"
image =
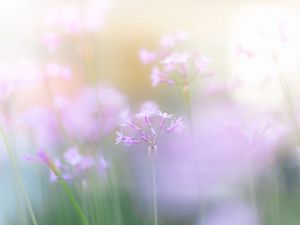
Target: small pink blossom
x,y
93,112
158,77
167,41
74,158
57,70
147,56
172,66
52,41
40,157
176,126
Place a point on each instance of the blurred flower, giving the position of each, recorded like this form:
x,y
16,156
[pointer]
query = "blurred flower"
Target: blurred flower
x,y
54,166
52,41
172,66
40,157
94,112
169,40
74,18
74,167
147,56
42,123
102,165
234,141
229,143
75,159
57,70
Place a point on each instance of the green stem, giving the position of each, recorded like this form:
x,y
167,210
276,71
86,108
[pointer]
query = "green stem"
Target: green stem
x,y
289,103
19,177
288,100
73,201
154,192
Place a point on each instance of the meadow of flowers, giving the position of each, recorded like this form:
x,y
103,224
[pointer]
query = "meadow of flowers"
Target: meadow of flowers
x,y
183,141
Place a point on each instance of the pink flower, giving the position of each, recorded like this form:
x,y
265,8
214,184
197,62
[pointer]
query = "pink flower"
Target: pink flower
x,y
201,64
74,158
42,123
181,36
72,18
57,70
53,166
167,41
52,41
172,66
170,40
92,113
147,56
176,126
40,157
103,165
158,77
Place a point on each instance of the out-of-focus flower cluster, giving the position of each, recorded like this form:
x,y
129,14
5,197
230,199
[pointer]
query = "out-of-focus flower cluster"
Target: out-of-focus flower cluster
x,y
24,73
172,66
74,166
73,19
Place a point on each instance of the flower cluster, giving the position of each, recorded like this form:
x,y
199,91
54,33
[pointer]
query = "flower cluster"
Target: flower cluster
x,y
23,73
93,113
72,19
146,127
172,66
74,166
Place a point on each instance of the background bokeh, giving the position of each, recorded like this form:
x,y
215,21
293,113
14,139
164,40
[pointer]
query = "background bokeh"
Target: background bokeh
x,y
224,189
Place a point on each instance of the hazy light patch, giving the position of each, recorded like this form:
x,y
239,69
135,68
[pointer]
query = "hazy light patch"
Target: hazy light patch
x,y
264,42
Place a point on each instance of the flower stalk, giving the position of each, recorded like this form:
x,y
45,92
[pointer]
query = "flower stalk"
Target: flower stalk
x,y
12,158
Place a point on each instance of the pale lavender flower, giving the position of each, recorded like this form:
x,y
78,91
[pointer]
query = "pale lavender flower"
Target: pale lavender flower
x,y
42,123
158,77
93,112
40,157
86,162
71,18
147,56
103,165
176,126
170,40
56,70
74,158
54,166
172,66
52,41
146,127
74,165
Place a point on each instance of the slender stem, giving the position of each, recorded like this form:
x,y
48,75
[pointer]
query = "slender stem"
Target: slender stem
x,y
85,62
19,177
116,198
290,106
73,201
187,100
154,192
288,101
252,185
